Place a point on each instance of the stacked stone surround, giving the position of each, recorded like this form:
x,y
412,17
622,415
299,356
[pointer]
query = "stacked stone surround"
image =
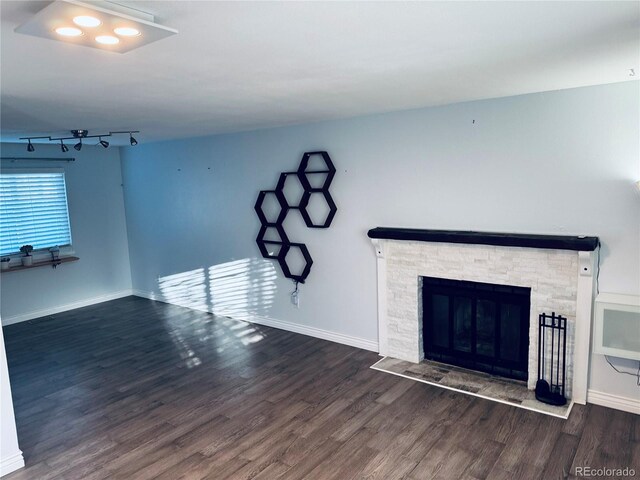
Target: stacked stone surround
x,y
552,276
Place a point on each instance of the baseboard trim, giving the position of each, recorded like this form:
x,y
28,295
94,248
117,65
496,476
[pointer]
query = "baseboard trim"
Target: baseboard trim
x,y
617,402
23,317
147,295
11,464
283,325
315,332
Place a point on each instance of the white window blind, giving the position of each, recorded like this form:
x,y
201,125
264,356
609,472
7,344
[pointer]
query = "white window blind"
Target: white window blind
x,y
33,211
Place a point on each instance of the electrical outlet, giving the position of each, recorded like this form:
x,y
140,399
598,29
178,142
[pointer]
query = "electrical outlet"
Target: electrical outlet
x,y
295,299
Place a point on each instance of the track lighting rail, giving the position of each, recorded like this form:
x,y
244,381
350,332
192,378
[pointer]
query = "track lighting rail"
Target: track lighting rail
x,y
81,135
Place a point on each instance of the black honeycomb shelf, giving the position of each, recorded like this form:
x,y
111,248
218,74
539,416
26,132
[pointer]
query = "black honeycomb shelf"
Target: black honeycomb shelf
x,y
315,185
270,222
328,217
329,171
302,274
264,242
280,190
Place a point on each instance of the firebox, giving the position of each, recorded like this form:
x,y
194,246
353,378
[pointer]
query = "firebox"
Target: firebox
x,y
480,326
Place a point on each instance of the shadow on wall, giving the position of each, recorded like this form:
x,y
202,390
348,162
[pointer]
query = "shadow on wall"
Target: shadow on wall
x,y
240,289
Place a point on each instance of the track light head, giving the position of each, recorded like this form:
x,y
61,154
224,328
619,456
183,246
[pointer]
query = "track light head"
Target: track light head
x,y
30,147
104,143
78,146
63,147
132,140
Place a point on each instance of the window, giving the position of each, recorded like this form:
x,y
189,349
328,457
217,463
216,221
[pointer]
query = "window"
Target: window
x,y
33,210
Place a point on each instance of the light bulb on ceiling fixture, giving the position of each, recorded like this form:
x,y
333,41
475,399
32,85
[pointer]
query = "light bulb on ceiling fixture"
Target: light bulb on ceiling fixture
x,y
127,31
69,31
132,140
30,147
78,146
107,40
104,143
63,147
86,21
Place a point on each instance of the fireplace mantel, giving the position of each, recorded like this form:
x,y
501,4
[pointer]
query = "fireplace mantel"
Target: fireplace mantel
x,y
556,242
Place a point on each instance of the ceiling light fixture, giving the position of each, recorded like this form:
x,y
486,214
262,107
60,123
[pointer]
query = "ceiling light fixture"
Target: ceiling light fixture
x,y
86,21
81,135
107,40
127,31
97,24
69,31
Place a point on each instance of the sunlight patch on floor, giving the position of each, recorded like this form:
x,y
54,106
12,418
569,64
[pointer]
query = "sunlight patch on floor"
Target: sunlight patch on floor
x,y
189,357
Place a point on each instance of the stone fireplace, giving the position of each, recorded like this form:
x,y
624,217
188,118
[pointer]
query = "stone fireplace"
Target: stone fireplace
x,y
557,270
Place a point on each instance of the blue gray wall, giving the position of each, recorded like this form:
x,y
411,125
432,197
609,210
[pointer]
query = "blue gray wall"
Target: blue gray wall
x,y
98,228
555,162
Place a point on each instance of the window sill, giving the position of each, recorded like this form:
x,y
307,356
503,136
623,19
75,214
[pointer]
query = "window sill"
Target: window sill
x,y
52,263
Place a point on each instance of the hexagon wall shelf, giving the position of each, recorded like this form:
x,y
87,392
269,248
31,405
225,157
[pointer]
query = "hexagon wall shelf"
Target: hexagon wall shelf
x,y
266,244
273,221
286,178
267,218
302,274
304,173
310,219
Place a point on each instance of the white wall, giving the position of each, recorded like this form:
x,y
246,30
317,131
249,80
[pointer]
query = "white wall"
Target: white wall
x,y
98,228
10,453
556,162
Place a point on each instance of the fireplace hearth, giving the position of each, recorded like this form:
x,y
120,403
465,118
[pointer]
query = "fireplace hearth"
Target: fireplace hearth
x,y
480,326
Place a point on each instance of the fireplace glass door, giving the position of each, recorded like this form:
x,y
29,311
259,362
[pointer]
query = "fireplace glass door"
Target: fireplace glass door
x,y
480,326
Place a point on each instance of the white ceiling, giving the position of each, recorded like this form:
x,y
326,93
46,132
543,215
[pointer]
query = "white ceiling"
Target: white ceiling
x,y
245,65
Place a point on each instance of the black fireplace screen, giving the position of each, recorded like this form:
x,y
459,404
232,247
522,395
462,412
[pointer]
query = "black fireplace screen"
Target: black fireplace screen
x,y
475,325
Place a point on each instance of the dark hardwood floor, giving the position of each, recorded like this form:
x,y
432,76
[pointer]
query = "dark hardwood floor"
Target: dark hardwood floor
x,y
135,389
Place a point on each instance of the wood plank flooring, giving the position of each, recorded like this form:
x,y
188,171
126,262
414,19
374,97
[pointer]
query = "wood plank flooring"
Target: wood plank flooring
x,y
135,389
